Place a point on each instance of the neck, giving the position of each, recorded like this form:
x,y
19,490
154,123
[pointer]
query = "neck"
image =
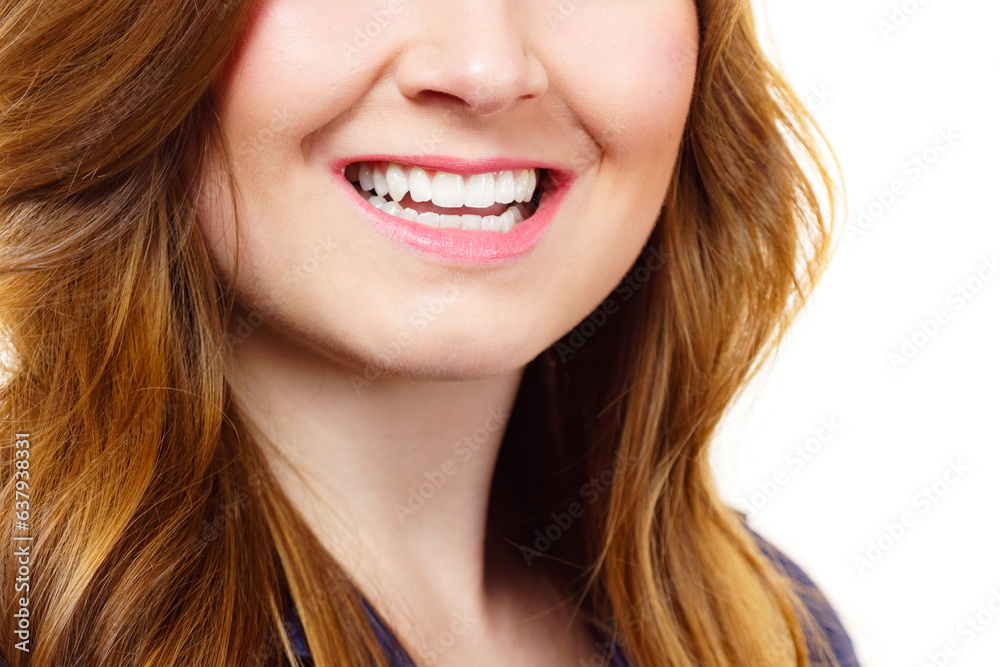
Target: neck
x,y
392,474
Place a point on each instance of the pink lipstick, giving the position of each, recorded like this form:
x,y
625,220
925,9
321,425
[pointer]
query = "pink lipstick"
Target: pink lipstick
x,y
458,202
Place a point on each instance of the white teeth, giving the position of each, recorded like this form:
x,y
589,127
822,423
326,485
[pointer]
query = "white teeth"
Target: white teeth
x,y
507,220
420,185
480,191
445,189
397,182
449,190
451,222
381,185
365,176
505,188
429,219
492,223
521,191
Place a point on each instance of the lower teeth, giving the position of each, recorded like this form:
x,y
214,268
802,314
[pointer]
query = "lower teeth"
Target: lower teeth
x,y
502,223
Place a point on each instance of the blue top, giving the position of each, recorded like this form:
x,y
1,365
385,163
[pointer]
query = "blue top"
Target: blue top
x,y
815,602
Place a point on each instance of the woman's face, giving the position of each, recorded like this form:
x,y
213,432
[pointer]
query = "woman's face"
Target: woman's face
x,y
456,108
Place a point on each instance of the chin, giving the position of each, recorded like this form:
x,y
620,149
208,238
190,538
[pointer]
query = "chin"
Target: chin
x,y
448,351
456,356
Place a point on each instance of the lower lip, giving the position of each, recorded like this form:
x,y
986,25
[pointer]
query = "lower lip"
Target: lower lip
x,y
467,246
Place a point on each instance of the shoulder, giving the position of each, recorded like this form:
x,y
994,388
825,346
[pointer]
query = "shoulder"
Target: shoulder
x,y
815,602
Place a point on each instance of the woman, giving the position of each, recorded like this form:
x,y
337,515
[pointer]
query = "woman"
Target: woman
x,y
279,278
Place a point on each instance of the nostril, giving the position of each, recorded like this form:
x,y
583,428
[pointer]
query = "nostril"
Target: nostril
x,y
481,101
485,74
440,98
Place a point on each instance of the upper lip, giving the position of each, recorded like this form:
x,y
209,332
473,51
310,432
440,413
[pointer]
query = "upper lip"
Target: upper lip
x,y
460,166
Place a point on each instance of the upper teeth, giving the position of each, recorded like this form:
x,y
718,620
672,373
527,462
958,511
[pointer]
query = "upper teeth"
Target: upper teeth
x,y
445,189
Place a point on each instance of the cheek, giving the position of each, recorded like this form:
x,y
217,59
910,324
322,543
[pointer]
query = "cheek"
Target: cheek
x,y
286,80
294,73
630,85
631,88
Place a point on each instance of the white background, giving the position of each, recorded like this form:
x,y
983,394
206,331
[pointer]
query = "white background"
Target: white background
x,y
881,97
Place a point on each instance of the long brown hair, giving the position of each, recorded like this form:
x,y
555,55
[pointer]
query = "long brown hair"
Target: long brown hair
x,y
159,536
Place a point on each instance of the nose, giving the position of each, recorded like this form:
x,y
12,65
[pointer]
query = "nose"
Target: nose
x,y
470,55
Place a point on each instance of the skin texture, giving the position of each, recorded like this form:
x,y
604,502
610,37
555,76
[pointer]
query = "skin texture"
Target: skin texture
x,y
364,361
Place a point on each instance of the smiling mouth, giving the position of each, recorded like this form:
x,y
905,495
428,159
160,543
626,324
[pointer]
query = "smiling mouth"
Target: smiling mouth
x,y
491,201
